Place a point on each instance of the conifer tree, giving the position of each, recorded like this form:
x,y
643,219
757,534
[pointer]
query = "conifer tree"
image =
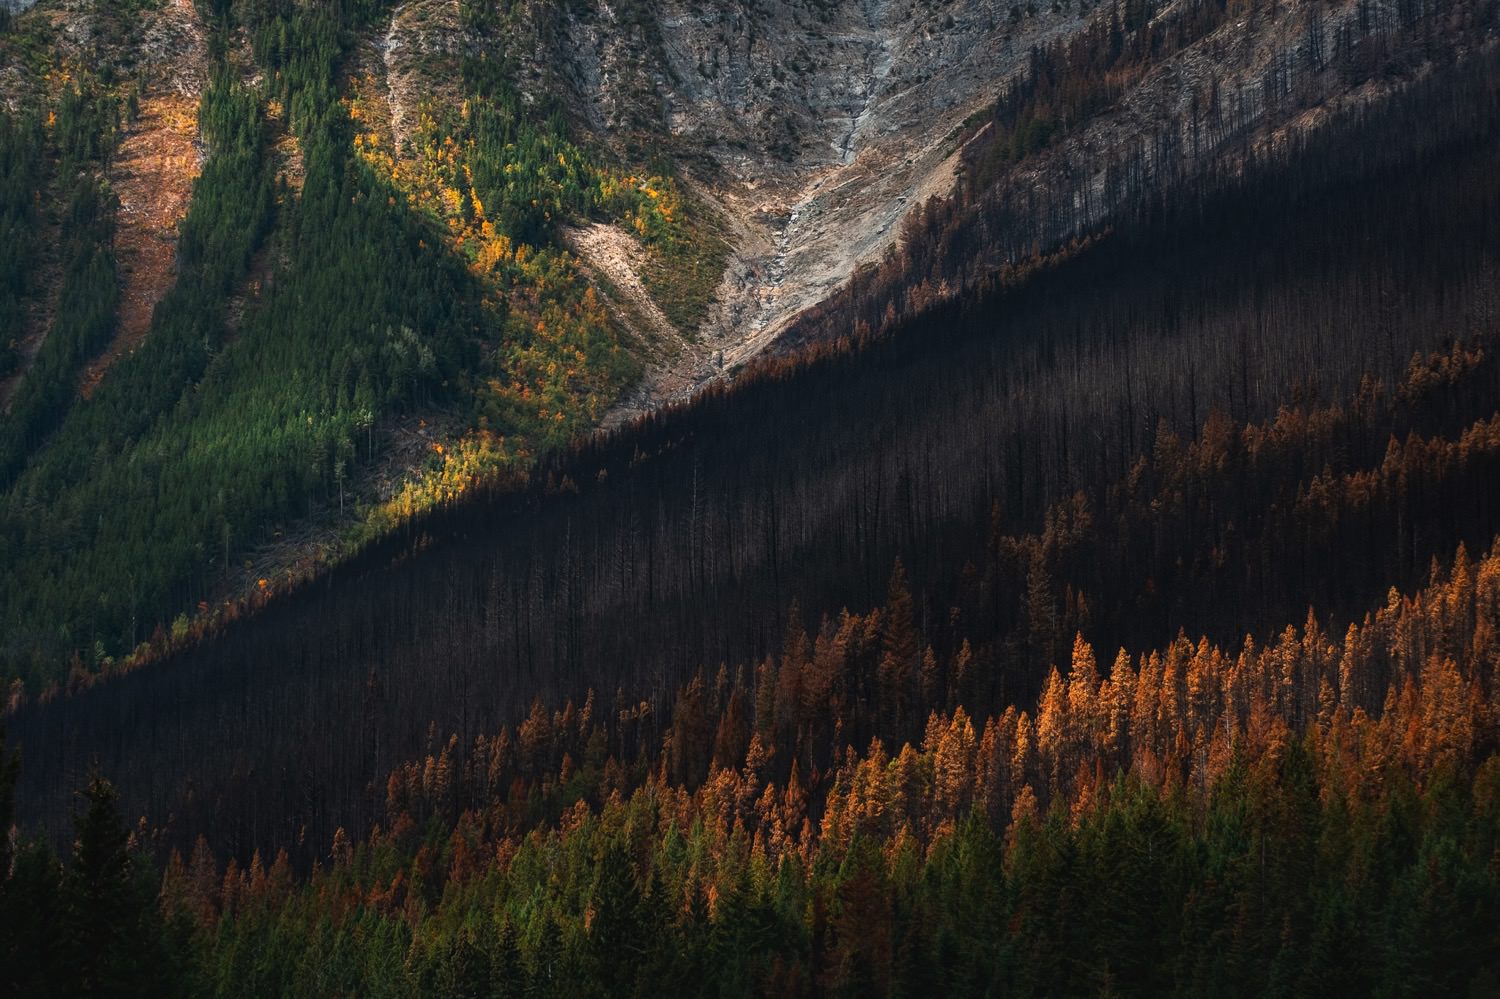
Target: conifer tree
x,y
508,979
113,926
898,651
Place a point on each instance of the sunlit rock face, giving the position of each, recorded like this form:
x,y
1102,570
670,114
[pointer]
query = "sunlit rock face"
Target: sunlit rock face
x,y
813,126
816,124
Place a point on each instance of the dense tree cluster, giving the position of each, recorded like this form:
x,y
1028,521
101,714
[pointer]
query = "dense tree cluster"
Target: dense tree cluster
x,y
503,175
21,172
94,928
1109,623
84,133
79,481
214,436
1195,822
518,344
1191,820
501,182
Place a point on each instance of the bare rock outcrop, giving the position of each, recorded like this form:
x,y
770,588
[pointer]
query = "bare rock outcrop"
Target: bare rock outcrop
x,y
812,126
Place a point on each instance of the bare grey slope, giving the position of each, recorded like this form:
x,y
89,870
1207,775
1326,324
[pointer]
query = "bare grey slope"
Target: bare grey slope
x,y
812,127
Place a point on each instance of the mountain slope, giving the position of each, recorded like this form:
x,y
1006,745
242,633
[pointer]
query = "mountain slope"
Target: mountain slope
x,y
718,250
1086,581
755,172
681,543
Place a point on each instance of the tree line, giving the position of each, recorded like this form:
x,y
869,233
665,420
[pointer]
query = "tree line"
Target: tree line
x,y
199,439
21,171
84,133
1117,625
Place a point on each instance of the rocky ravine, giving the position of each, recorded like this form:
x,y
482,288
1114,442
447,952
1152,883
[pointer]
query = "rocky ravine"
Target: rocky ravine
x,y
811,127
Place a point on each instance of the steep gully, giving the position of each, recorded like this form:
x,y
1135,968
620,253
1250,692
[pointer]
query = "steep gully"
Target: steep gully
x,y
887,144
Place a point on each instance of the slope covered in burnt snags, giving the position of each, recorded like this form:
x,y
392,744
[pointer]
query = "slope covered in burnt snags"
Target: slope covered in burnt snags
x,y
1050,407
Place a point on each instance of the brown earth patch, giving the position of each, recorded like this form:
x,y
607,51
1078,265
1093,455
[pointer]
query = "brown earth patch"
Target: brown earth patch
x,y
153,177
